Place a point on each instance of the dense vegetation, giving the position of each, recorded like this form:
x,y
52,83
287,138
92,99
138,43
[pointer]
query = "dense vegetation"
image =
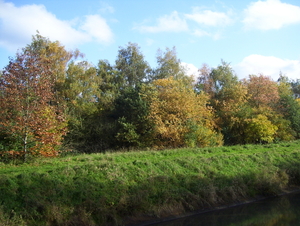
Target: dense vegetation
x,y
129,187
54,101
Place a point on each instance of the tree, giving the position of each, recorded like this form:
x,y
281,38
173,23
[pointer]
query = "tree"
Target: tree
x,y
134,129
58,59
181,117
296,88
131,66
228,97
267,121
233,110
262,91
110,85
168,65
81,87
115,125
81,93
205,82
213,81
27,115
288,106
260,129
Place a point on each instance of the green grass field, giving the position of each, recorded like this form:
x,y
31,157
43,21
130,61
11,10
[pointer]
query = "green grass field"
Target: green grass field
x,y
130,187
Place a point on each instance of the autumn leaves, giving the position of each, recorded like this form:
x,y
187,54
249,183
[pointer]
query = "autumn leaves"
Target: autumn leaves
x,y
49,97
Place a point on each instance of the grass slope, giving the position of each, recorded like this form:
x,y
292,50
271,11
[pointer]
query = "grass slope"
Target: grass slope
x,y
122,188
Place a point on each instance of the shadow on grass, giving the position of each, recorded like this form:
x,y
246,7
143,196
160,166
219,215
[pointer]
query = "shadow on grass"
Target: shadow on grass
x,y
74,196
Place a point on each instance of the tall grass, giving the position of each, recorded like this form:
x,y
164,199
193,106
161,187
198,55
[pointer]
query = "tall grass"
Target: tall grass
x,y
131,187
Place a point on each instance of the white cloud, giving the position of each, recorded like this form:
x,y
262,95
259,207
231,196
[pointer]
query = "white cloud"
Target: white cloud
x,y
191,70
96,27
167,23
209,18
268,65
270,14
18,24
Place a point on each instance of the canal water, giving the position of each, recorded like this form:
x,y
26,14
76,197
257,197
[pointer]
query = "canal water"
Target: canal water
x,y
277,211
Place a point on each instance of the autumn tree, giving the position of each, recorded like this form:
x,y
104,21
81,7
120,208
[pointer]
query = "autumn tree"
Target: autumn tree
x,y
57,56
265,121
227,96
76,85
263,92
181,117
204,81
260,129
27,115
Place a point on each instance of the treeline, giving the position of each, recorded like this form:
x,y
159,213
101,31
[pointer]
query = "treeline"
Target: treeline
x,y
53,101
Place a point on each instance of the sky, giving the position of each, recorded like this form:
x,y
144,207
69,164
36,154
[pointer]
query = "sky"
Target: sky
x,y
255,37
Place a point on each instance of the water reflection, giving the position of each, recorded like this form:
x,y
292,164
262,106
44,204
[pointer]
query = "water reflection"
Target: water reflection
x,y
279,211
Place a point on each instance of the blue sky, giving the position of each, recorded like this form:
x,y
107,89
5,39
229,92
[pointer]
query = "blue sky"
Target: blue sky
x,y
253,36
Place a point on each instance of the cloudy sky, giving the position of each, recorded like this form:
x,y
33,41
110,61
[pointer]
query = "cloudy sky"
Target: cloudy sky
x,y
253,36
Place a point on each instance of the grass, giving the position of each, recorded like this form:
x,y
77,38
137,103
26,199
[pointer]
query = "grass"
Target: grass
x,y
130,187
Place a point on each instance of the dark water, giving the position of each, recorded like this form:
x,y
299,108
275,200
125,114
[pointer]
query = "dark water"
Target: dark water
x,y
279,211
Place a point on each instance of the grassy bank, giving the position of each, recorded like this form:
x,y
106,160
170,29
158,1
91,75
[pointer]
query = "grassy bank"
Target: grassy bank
x,y
122,188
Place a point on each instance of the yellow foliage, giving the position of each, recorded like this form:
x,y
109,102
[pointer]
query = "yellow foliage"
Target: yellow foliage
x,y
260,129
49,133
174,108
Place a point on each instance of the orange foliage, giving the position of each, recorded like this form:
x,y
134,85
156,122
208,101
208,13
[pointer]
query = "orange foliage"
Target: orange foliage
x,y
27,112
262,90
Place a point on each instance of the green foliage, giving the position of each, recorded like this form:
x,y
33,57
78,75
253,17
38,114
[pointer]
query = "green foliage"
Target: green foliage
x,y
285,131
223,77
134,128
81,93
233,110
201,136
290,109
81,87
127,133
214,80
131,66
168,65
11,146
110,84
296,88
